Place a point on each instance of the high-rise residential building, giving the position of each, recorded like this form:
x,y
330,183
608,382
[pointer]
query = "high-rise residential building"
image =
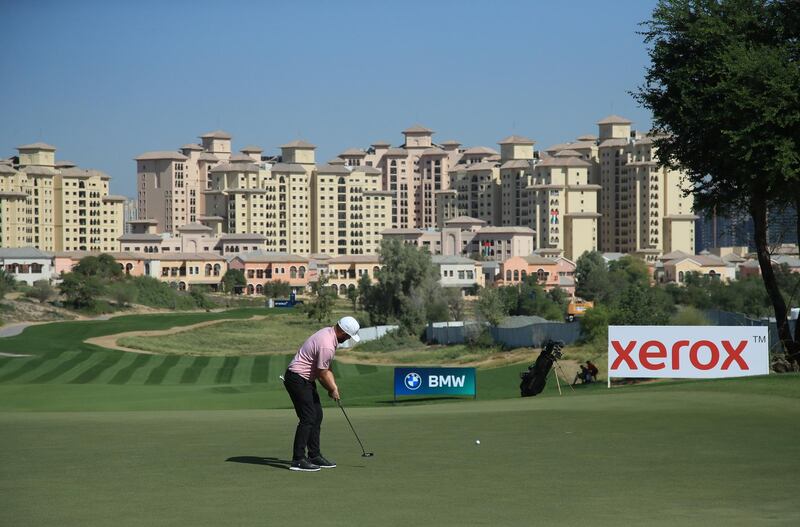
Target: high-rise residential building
x,y
270,199
170,183
413,172
477,193
561,206
516,173
642,206
55,206
130,212
349,209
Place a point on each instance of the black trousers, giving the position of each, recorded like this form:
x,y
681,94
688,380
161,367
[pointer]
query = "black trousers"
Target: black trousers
x,y
309,410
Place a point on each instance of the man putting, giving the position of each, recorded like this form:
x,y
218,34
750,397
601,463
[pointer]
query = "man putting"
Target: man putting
x,y
313,361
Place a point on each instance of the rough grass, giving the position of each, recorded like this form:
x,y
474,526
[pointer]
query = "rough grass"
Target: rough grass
x,y
277,334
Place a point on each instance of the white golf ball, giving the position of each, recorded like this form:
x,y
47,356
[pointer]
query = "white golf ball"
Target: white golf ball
x,y
477,441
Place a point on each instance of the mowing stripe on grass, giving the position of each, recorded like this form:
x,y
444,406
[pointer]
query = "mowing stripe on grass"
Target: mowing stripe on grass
x,y
63,367
192,373
23,366
159,372
225,374
260,371
95,371
125,374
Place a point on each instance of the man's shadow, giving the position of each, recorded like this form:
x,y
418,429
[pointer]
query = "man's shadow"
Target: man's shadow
x,y
257,460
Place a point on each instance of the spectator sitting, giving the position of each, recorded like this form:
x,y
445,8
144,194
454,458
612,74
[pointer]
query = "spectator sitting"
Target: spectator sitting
x,y
593,371
582,375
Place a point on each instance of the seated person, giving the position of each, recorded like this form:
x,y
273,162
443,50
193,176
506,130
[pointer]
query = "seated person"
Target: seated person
x,y
593,371
582,375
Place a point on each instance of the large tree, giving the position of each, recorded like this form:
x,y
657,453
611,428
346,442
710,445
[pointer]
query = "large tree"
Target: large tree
x,y
724,89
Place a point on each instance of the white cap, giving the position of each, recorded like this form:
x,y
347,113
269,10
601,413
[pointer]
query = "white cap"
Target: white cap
x,y
350,326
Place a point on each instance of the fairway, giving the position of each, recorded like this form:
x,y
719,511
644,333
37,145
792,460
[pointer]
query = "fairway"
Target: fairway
x,y
95,437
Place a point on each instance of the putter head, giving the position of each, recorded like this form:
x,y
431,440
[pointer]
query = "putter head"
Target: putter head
x,y
368,454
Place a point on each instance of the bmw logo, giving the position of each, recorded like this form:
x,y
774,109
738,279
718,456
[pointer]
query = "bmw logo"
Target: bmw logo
x,y
412,381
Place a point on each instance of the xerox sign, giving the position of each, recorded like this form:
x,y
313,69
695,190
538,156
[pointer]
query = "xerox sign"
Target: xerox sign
x,y
692,352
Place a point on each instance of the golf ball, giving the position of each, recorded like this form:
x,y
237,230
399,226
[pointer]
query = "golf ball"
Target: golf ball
x,y
477,441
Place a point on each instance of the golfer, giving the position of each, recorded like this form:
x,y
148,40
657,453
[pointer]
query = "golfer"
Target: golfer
x,y
313,361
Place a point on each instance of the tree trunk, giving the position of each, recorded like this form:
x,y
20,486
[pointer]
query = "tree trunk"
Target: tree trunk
x,y
758,210
797,226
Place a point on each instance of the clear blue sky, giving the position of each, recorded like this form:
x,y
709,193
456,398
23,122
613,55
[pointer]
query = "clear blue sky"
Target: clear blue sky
x,y
104,81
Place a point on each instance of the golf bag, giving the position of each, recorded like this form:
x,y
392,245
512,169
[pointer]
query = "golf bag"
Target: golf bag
x,y
534,379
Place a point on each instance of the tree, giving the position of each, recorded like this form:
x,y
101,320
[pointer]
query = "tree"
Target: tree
x,y
322,299
81,291
722,86
591,276
277,289
352,295
7,283
232,280
455,303
491,306
41,291
406,289
104,267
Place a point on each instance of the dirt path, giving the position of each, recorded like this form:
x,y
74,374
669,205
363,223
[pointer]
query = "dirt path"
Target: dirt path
x,y
110,341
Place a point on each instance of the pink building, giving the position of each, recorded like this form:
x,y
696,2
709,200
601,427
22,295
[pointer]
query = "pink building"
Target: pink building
x,y
132,264
261,267
550,272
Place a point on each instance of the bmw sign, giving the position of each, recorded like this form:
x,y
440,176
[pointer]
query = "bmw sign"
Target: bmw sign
x,y
434,381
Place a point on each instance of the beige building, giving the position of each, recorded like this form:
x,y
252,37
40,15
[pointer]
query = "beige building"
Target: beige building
x,y
471,237
349,209
170,184
344,272
642,206
270,199
516,174
413,172
55,206
561,206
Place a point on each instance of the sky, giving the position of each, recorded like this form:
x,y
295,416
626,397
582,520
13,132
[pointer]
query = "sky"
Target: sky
x,y
104,81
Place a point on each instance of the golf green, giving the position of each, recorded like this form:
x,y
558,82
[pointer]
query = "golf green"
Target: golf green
x,y
639,455
94,437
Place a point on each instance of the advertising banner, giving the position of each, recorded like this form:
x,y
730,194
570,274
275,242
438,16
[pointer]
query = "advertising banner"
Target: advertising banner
x,y
687,352
434,381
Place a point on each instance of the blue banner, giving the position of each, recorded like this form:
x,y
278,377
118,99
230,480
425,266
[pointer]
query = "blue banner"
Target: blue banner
x,y
434,381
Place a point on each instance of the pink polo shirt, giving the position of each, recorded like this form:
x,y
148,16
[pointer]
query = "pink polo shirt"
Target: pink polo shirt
x,y
315,354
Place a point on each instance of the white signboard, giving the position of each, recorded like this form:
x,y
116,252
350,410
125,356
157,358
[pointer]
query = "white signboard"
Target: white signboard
x,y
688,352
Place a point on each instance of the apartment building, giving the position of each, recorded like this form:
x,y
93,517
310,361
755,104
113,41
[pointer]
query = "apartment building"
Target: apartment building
x,y
561,205
516,173
643,210
56,206
170,183
349,209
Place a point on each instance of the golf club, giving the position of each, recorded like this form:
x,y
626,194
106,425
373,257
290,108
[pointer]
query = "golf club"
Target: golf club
x,y
364,453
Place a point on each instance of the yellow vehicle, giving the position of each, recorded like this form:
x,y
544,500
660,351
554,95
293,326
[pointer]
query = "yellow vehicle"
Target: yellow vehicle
x,y
577,308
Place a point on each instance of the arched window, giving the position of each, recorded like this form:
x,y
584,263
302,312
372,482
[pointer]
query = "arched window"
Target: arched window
x,y
541,276
375,270
302,272
516,275
128,268
259,289
182,286
523,274
342,289
208,269
293,272
680,276
250,289
216,269
508,275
